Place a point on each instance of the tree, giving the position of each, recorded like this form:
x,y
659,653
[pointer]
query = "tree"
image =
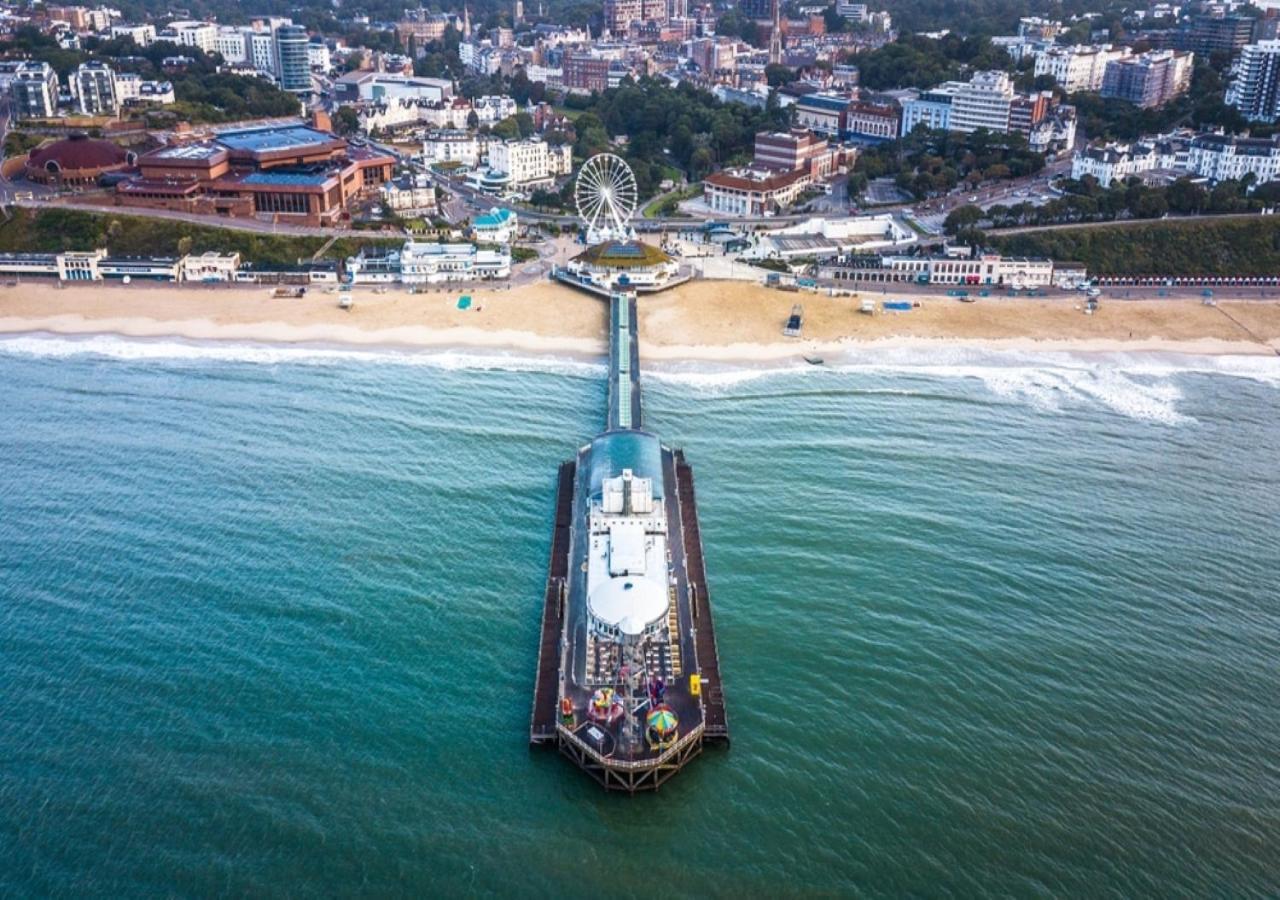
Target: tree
x,y
962,217
507,130
473,120
777,74
346,120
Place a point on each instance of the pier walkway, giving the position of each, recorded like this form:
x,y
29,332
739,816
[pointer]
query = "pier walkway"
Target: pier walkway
x,y
546,691
624,365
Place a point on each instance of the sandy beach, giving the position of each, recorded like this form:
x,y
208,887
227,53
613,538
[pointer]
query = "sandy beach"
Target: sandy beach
x,y
707,320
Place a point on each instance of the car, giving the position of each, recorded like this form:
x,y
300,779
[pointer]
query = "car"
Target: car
x,y
973,199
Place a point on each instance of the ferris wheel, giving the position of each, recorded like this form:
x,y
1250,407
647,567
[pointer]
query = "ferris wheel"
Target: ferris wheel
x,y
605,194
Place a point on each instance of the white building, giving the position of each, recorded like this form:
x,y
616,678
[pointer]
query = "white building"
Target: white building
x,y
142,35
931,108
494,108
497,226
1255,90
189,33
233,44
1222,157
530,162
453,145
318,56
209,267
1078,68
982,102
34,91
262,51
410,195
132,89
96,92
430,263
1116,162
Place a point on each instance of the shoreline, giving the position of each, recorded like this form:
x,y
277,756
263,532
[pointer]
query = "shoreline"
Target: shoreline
x,y
732,324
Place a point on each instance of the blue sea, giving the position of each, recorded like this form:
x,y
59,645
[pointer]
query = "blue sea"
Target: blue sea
x,y
990,625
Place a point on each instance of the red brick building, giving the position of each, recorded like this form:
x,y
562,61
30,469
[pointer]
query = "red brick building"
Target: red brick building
x,y
293,172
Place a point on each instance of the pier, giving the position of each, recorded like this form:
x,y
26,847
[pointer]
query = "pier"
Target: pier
x,y
628,683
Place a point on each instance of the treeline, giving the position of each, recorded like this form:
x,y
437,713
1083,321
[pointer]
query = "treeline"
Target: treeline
x,y
55,230
915,61
681,128
1087,201
929,163
1200,247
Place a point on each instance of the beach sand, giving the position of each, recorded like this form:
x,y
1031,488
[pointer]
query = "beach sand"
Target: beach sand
x,y
705,320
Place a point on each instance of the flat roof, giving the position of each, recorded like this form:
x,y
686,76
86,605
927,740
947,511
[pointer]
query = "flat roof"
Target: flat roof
x,y
203,150
278,137
286,178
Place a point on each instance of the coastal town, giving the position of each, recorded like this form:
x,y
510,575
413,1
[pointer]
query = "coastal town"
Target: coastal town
x,y
824,147
359,355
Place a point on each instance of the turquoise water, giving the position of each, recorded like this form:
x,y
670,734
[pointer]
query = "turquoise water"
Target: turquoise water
x,y
988,625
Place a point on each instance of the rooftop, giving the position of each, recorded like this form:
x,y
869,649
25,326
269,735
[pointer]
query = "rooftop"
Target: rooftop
x,y
275,137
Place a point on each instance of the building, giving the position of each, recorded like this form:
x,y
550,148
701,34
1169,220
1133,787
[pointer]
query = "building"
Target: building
x,y
1026,111
318,55
376,87
753,191
289,173
142,35
77,161
133,90
1149,79
585,72
823,113
529,163
201,35
930,108
871,123
1205,35
409,195
854,12
1255,89
453,145
1222,157
795,151
33,92
1079,68
209,267
497,226
294,64
232,45
95,87
429,263
262,51
987,269
982,102
714,54
1117,162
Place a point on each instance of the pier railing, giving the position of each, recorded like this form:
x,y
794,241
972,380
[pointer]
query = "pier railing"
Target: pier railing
x,y
632,765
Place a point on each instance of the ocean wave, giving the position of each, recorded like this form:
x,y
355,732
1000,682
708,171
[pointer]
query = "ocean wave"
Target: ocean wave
x,y
173,350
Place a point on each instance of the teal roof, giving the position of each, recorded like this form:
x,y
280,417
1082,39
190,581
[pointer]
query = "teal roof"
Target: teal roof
x,y
495,218
614,451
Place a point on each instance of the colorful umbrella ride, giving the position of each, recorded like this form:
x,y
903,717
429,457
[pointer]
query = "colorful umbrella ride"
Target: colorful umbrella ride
x,y
661,726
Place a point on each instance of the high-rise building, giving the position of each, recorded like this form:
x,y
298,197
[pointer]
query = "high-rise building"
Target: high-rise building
x,y
262,50
982,102
1149,79
96,89
1079,68
34,91
1256,88
1207,34
232,44
292,58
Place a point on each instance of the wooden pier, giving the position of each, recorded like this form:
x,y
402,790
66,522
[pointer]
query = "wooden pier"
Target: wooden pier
x,y
683,651
546,691
716,720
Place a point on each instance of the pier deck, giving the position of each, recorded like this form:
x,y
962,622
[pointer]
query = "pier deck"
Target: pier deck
x,y
546,692
715,718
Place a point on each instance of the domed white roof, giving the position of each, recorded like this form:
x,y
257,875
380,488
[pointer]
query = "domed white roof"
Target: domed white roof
x,y
628,604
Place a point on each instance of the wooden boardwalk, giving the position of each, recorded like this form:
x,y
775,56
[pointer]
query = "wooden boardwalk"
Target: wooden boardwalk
x,y
716,720
546,689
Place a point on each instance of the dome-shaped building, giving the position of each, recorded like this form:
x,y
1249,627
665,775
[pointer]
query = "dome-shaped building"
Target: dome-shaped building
x,y
76,161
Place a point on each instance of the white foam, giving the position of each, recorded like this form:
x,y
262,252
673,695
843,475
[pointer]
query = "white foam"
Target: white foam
x,y
130,349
